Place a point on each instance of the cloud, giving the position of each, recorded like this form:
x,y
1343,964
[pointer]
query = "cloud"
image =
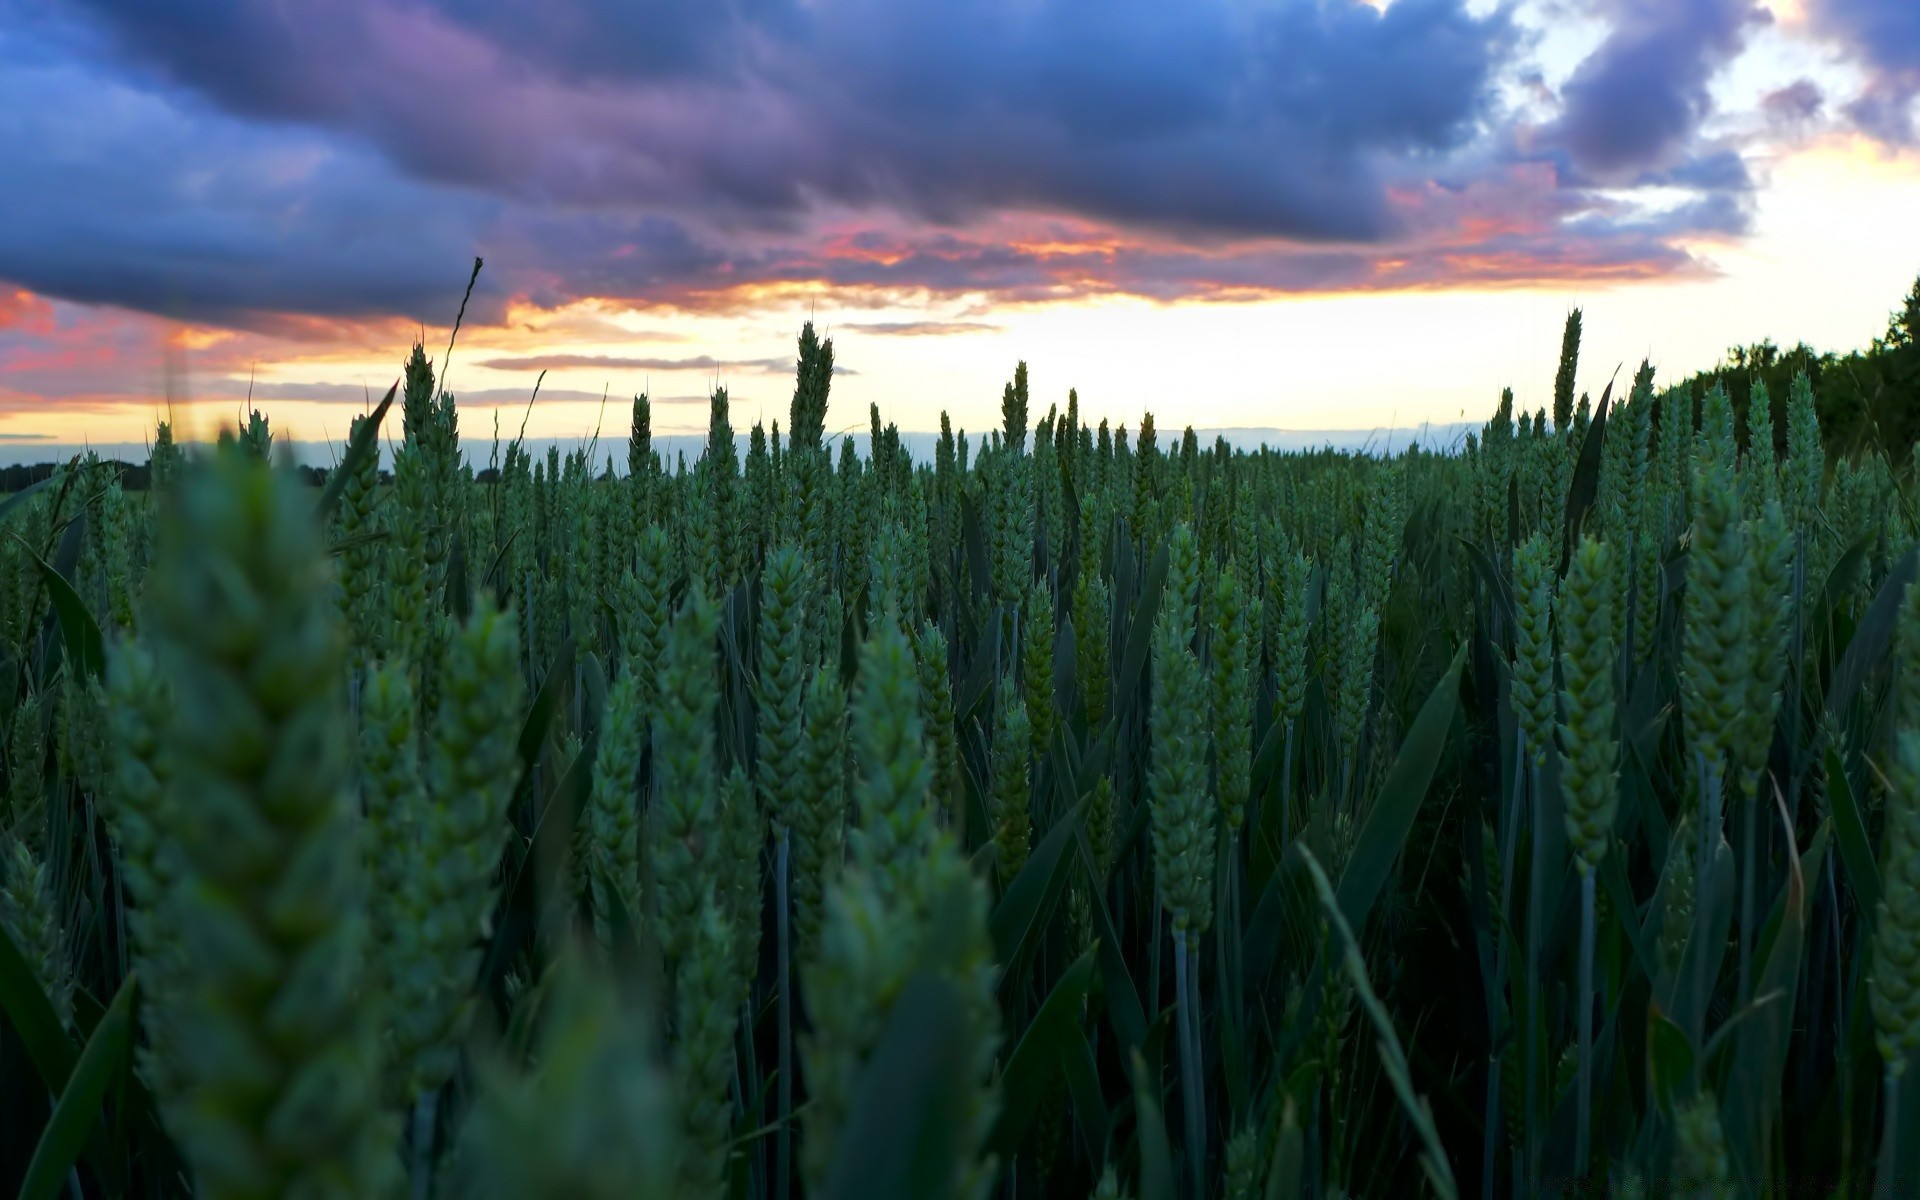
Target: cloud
x,y
1883,38
1213,116
918,328
354,393
1638,101
21,309
1798,103
119,195
592,362
303,170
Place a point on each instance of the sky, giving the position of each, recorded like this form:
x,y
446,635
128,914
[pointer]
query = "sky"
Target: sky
x,y
1254,214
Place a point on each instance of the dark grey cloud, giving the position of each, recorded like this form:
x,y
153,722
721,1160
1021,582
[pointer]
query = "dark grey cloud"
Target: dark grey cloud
x,y
1795,104
1211,116
1883,37
1724,214
228,161
698,362
917,328
314,392
1638,101
569,362
117,195
1707,169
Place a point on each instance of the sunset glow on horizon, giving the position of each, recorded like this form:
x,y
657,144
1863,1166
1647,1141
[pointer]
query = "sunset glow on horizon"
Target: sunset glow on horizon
x,y
1301,214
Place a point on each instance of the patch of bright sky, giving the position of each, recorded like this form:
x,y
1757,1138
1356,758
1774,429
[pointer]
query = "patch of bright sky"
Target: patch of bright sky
x,y
1776,55
1560,34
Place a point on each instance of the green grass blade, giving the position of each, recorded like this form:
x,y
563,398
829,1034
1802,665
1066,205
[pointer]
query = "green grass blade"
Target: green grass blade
x,y
1133,661
79,632
1872,637
1029,901
1392,1057
365,442
1760,1050
1670,1060
1122,998
18,500
1850,831
1044,1050
47,1044
106,1057
1286,1172
536,861
1838,585
900,1140
1493,579
1156,1151
1089,1104
545,707
1586,475
1393,813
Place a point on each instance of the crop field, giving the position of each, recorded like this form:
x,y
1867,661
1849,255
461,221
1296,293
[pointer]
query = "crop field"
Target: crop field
x,y
1087,812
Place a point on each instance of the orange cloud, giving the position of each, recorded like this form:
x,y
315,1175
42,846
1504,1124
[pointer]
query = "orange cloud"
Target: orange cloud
x,y
22,310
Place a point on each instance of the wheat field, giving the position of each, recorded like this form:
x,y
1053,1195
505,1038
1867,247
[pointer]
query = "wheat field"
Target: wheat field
x,y
1072,815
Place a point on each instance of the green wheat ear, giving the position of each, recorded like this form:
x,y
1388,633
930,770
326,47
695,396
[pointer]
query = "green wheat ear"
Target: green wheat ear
x,y
1012,780
1894,982
1702,1168
819,818
1714,674
908,902
936,690
1769,613
592,1117
646,613
1182,597
1243,1165
684,821
1092,632
1181,814
1354,687
1108,1187
892,787
31,916
1590,745
451,879
1036,667
781,723
137,811
1806,466
1533,689
707,1000
360,554
1291,630
613,814
1231,696
869,949
1676,891
743,836
25,813
282,1096
392,796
